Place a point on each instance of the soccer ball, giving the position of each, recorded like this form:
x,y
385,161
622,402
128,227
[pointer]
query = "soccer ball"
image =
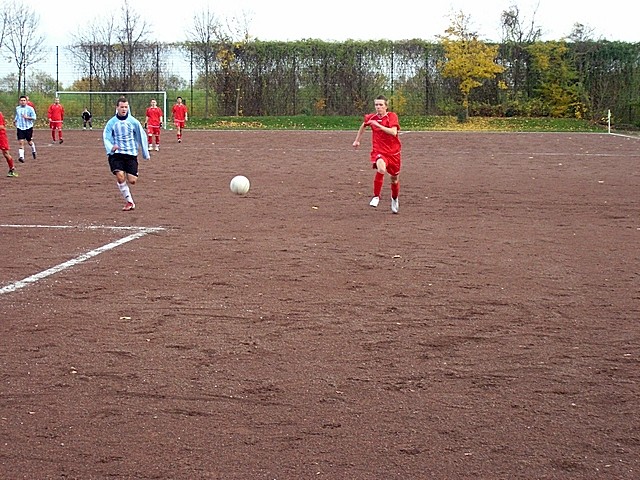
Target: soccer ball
x,y
239,185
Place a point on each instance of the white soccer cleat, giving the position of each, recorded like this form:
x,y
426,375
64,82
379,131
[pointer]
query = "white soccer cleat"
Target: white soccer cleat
x,y
395,204
374,202
157,148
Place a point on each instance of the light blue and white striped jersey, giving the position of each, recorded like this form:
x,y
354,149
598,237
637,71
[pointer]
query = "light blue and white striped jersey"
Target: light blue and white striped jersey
x,y
127,134
21,122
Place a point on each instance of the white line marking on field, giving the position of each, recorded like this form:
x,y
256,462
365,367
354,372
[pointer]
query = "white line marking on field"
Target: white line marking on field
x,y
624,135
139,232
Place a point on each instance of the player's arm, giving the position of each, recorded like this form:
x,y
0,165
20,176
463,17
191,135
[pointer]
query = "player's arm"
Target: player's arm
x,y
107,136
356,142
141,138
389,130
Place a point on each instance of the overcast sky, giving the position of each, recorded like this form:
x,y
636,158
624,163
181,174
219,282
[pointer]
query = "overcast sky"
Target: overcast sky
x,y
346,19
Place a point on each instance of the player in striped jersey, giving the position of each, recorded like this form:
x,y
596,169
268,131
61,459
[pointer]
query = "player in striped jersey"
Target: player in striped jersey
x,y
122,136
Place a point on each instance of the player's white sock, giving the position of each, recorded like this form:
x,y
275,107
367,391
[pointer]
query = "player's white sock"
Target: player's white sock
x,y
21,152
124,190
33,147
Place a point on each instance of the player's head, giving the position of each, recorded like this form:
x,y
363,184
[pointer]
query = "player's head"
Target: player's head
x,y
56,100
122,106
153,102
381,104
23,100
179,99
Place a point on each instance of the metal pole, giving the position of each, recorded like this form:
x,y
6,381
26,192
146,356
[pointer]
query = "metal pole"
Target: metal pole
x,y
57,69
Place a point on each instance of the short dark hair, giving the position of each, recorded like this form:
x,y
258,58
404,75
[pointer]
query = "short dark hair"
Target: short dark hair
x,y
121,99
23,96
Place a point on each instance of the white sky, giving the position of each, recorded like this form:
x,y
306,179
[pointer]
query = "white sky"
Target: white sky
x,y
338,20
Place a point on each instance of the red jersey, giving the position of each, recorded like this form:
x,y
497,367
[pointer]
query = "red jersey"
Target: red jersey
x,y
4,141
154,116
383,143
179,112
56,112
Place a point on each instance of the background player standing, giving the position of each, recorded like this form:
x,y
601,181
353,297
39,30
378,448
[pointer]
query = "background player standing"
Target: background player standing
x,y
86,119
386,151
56,118
4,147
23,120
122,136
153,121
180,117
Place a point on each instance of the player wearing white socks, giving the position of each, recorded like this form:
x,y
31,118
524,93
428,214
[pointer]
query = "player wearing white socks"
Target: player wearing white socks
x,y
122,136
23,120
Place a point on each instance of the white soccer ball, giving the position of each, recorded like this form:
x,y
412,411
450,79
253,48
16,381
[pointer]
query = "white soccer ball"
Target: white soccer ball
x,y
240,185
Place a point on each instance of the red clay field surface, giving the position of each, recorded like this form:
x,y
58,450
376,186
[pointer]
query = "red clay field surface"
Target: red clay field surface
x,y
488,331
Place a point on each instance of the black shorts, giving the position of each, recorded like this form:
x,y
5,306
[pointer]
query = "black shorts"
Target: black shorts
x,y
121,162
25,134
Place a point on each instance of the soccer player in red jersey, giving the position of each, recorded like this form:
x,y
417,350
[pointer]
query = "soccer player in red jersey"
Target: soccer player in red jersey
x,y
180,117
4,148
386,151
153,121
56,117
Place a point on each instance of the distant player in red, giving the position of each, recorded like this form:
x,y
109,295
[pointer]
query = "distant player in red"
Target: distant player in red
x,y
180,117
153,121
386,151
4,148
56,118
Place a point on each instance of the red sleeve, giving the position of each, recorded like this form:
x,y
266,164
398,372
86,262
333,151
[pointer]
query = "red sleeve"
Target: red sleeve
x,y
393,120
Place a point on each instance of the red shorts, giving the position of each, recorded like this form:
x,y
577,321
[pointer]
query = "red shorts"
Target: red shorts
x,y
4,141
53,124
393,162
179,123
153,130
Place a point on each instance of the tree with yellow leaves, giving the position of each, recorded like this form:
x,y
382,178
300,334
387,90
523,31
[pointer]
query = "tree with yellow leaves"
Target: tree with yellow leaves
x,y
467,59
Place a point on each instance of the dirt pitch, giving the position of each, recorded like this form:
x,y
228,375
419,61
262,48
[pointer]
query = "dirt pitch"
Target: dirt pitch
x,y
488,331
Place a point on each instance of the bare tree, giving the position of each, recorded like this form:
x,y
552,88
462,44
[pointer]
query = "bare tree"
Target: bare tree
x,y
133,38
116,53
204,38
516,29
94,54
517,35
214,44
21,37
4,23
581,33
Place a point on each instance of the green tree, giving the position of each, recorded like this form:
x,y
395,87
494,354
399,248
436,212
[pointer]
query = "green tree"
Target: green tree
x,y
558,84
467,60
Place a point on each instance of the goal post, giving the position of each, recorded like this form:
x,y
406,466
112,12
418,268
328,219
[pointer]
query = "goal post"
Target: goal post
x,y
102,105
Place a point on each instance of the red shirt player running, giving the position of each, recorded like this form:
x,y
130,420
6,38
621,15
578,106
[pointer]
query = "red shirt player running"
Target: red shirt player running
x,y
4,148
180,117
386,151
153,122
56,118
